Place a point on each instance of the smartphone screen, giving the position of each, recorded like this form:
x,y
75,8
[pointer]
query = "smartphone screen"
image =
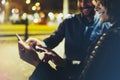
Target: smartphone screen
x,y
18,37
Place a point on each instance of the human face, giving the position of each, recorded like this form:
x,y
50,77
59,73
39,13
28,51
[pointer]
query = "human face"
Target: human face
x,y
101,11
86,7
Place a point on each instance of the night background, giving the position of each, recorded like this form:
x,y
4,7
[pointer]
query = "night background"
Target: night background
x,y
46,5
28,18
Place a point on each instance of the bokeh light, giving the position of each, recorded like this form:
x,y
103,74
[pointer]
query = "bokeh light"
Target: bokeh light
x,y
28,1
37,4
34,8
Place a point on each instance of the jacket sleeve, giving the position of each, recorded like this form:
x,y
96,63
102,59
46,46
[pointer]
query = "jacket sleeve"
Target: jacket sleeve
x,y
54,39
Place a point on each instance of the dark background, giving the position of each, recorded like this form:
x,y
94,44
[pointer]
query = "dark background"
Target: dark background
x,y
46,5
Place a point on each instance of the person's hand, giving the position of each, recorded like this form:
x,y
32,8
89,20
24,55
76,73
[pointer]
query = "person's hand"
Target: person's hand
x,y
34,42
28,54
53,56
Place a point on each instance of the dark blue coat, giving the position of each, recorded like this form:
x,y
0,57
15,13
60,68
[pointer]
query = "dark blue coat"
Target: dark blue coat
x,y
73,30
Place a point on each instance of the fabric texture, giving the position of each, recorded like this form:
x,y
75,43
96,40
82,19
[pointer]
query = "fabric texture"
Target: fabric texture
x,y
103,63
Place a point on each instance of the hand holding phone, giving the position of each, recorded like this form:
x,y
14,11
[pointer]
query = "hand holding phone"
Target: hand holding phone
x,y
38,49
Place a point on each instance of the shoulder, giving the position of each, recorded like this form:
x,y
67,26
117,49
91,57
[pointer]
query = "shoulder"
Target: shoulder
x,y
113,32
110,39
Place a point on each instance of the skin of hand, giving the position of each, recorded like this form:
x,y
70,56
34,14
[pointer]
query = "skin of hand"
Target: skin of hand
x,y
49,53
28,54
34,42
53,56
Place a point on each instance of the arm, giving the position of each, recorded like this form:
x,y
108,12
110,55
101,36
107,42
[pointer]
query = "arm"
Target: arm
x,y
56,37
52,41
28,54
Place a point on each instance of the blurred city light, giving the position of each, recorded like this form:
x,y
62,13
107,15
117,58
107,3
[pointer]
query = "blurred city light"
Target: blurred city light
x,y
60,15
51,16
14,17
38,8
3,2
15,10
30,18
42,15
37,4
34,8
36,20
24,16
28,1
50,11
36,15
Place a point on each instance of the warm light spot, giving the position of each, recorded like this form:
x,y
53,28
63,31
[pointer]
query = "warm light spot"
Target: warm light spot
x,y
34,8
15,10
38,8
42,15
28,1
37,4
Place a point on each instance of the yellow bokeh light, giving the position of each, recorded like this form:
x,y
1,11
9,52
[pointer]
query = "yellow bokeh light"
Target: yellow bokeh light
x,y
37,4
34,8
28,1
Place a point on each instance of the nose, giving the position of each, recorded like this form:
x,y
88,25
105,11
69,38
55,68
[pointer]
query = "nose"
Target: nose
x,y
97,7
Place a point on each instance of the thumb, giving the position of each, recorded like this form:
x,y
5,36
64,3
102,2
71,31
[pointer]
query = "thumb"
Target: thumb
x,y
23,45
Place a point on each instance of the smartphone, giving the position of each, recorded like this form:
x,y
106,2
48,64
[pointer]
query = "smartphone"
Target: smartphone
x,y
18,37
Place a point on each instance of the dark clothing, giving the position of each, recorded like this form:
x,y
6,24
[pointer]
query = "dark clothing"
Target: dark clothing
x,y
104,63
73,30
45,72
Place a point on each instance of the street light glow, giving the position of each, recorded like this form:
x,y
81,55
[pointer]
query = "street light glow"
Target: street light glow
x,y
38,8
28,1
34,8
51,16
3,2
37,4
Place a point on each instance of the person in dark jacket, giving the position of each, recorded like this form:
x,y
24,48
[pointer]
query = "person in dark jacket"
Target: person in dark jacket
x,y
80,32
103,63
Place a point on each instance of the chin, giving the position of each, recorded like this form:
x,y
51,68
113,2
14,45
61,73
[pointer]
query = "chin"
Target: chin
x,y
104,18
